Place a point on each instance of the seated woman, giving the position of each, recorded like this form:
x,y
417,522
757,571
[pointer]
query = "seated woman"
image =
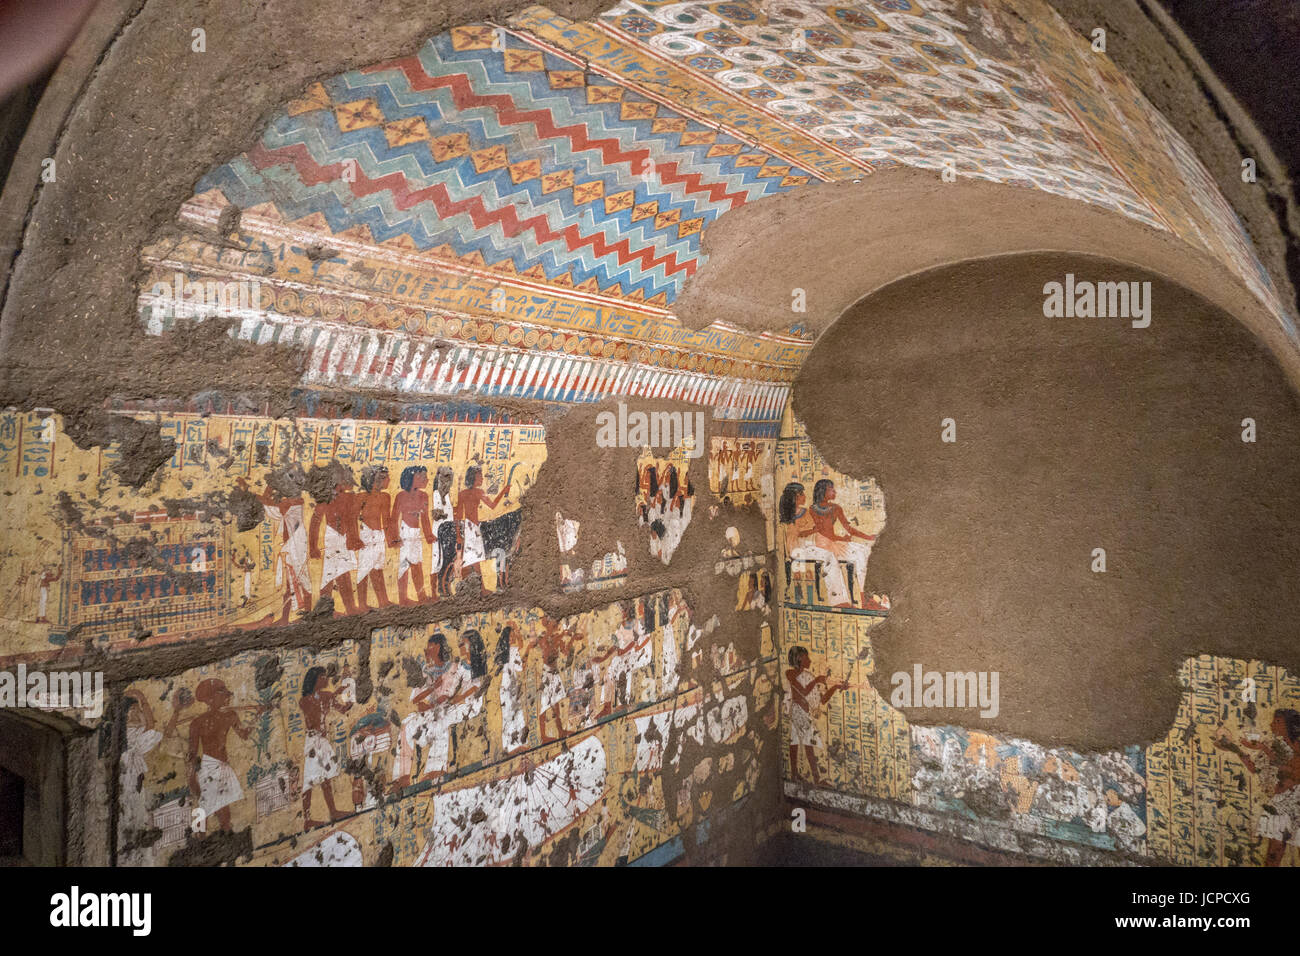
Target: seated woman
x,y
801,541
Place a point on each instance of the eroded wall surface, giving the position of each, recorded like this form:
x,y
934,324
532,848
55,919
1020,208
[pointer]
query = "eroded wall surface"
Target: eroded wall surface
x,y
562,742
259,710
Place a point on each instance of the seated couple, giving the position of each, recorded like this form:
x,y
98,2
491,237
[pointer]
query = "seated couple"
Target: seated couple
x,y
810,535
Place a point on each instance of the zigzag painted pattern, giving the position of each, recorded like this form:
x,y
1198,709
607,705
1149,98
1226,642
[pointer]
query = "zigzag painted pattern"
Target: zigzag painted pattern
x,y
506,208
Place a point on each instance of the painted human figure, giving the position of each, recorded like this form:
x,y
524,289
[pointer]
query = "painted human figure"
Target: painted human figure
x,y
751,455
48,577
826,515
801,542
554,644
409,525
681,498
141,738
584,680
1276,759
213,783
369,736
669,511
465,703
808,692
619,662
647,490
669,654
470,534
339,516
375,515
444,533
244,562
658,541
442,678
320,761
724,470
511,658
284,506
668,486
641,658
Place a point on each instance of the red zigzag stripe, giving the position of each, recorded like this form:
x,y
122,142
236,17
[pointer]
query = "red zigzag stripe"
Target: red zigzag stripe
x,y
508,114
311,173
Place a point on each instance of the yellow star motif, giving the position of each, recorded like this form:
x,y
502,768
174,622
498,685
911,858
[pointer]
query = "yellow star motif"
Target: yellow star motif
x,y
619,201
358,114
588,192
604,94
449,147
479,37
565,79
410,130
486,160
314,99
521,61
